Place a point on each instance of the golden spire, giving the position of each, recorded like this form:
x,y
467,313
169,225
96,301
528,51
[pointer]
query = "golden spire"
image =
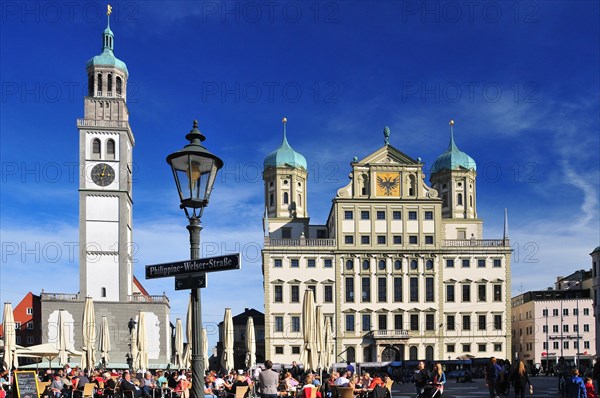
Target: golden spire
x,y
108,9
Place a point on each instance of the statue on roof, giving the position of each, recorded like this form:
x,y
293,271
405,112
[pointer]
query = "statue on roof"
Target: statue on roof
x,y
386,135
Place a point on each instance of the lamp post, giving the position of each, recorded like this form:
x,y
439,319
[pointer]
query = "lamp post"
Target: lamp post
x,y
195,169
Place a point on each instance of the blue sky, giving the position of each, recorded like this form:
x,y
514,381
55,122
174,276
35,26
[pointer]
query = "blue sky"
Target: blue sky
x,y
519,78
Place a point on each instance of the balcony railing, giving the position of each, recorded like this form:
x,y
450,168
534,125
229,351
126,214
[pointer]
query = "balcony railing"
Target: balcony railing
x,y
59,297
476,242
299,242
139,298
101,123
389,334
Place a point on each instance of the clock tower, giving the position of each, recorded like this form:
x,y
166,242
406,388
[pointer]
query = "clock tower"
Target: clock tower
x,y
105,199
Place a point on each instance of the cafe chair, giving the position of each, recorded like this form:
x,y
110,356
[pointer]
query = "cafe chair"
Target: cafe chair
x,y
87,392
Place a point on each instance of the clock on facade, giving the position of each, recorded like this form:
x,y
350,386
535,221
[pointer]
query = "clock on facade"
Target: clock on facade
x,y
103,174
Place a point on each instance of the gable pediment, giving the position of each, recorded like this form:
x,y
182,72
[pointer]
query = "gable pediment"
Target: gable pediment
x,y
388,155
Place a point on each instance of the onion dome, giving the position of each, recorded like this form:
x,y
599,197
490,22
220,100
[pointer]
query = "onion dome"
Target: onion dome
x,y
107,57
453,158
285,155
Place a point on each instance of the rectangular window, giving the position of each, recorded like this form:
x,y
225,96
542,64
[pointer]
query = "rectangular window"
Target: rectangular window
x,y
544,311
497,263
466,263
429,215
566,328
366,322
466,293
311,263
544,329
566,344
29,311
450,293
481,322
429,239
365,239
450,322
555,345
295,294
450,347
498,295
412,215
397,215
398,322
18,339
364,215
555,312
350,289
466,322
382,290
554,328
586,344
286,233
413,240
296,324
321,234
29,325
17,325
296,349
278,263
466,347
565,311
575,328
327,263
586,311
349,239
449,263
498,322
429,322
397,290
348,215
279,324
279,349
481,290
349,322
29,339
381,239
380,215
328,294
382,322
497,346
429,294
366,289
414,289
397,239
481,263
586,327
278,294
414,321
294,263
481,347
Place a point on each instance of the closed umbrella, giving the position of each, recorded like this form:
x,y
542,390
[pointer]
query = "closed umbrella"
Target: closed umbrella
x,y
250,344
11,359
88,359
205,349
142,345
308,354
320,337
187,354
104,347
61,343
178,357
134,345
327,361
227,359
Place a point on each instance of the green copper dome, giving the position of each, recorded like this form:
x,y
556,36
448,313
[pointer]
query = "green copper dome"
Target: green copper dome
x,y
453,158
285,155
596,250
107,58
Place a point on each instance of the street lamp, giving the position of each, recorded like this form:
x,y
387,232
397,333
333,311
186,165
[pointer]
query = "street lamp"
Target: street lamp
x,y
195,169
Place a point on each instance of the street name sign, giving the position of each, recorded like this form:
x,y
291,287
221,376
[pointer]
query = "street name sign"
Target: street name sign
x,y
186,267
192,281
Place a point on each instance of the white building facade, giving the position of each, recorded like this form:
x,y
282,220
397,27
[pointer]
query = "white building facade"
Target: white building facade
x,y
400,267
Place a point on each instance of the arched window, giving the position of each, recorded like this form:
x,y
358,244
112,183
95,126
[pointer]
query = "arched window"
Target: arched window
x,y
414,265
381,265
413,353
351,354
459,200
366,264
91,85
110,149
429,265
397,265
96,148
367,354
286,198
103,292
119,85
429,353
349,264
99,84
389,354
299,200
109,85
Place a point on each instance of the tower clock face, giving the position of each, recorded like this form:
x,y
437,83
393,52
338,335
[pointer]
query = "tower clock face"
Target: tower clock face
x,y
103,174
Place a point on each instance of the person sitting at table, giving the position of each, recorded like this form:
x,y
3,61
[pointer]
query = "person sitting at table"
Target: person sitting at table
x,y
240,381
210,389
127,385
290,382
377,381
366,380
342,381
308,386
57,386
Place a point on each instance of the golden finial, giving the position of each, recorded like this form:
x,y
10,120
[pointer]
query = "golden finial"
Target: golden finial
x,y
451,122
108,9
284,120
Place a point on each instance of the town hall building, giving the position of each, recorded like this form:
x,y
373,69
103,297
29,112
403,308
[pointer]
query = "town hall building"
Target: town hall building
x,y
400,267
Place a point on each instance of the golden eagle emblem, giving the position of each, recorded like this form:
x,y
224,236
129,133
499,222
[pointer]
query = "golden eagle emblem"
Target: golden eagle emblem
x,y
388,184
